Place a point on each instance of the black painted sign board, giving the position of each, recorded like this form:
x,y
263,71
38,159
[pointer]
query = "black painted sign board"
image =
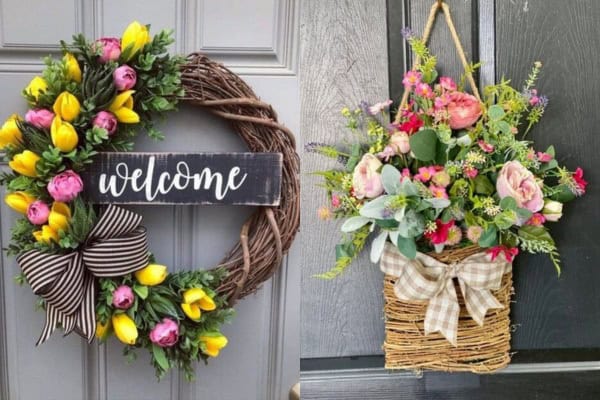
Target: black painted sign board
x,y
184,178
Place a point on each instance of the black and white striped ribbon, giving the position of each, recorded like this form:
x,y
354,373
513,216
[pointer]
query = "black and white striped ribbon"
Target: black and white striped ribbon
x,y
116,246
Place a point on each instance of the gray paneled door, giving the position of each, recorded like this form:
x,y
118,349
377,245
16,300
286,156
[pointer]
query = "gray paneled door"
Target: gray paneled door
x,y
258,40
347,52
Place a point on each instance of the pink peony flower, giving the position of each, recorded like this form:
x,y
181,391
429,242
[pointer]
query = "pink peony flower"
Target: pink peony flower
x,y
400,143
124,78
37,212
106,120
447,83
424,90
366,179
411,78
486,147
464,110
440,235
65,186
111,49
123,297
40,118
165,334
518,182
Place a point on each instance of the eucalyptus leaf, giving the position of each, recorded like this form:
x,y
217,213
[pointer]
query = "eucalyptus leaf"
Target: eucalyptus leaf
x,y
423,144
412,225
496,113
438,202
377,246
354,223
408,188
464,140
508,203
489,237
523,214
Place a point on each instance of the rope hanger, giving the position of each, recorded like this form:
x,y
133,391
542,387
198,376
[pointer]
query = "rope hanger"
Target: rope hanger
x,y
440,4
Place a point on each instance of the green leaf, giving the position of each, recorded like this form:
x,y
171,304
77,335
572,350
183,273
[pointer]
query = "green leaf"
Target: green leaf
x,y
508,203
377,246
354,223
423,144
505,219
141,291
524,214
564,194
387,223
489,237
374,208
160,357
495,112
390,177
483,185
530,232
504,127
408,247
550,151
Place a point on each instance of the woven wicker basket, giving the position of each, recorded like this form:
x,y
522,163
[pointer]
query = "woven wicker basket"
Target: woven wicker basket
x,y
480,349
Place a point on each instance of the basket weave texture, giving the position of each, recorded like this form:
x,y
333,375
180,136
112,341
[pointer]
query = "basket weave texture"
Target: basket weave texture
x,y
480,349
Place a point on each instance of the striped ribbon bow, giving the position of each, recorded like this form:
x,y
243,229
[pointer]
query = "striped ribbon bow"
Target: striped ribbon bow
x,y
426,279
116,246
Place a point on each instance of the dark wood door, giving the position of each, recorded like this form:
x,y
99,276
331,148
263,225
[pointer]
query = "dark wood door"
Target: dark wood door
x,y
556,320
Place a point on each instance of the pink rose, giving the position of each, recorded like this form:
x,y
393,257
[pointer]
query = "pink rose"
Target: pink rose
x,y
123,297
518,182
400,142
124,77
366,181
165,334
65,186
106,120
37,212
464,110
40,118
111,49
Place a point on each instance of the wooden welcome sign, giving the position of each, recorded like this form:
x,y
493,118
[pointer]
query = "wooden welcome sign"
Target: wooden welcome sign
x,y
185,178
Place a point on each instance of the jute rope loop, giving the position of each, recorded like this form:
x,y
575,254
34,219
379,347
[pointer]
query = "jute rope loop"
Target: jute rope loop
x,y
268,234
457,43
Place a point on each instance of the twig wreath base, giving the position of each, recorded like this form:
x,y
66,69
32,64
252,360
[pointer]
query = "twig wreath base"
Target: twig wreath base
x,y
268,234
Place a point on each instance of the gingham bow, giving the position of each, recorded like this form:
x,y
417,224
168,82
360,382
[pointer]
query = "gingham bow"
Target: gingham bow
x,y
425,278
116,246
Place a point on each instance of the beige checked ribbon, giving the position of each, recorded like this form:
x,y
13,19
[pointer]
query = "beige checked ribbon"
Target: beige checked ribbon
x,y
425,278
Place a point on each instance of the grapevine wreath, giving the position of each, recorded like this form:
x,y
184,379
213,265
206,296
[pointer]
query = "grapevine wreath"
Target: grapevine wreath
x,y
91,267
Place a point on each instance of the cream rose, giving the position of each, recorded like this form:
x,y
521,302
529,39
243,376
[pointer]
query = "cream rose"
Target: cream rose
x,y
366,181
518,182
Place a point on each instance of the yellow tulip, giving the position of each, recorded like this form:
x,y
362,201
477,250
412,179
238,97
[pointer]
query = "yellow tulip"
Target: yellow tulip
x,y
66,106
46,235
124,328
195,300
213,342
59,216
19,201
151,275
24,163
10,132
134,39
122,107
63,134
37,86
73,70
102,330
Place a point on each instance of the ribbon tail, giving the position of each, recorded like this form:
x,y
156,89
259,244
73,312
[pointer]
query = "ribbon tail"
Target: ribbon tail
x,y
86,317
442,314
478,302
52,320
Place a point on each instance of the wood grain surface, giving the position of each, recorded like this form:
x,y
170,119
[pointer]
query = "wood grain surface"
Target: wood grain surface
x,y
344,61
565,312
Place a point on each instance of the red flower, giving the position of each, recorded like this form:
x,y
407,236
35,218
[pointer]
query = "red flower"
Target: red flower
x,y
509,252
412,125
440,235
578,177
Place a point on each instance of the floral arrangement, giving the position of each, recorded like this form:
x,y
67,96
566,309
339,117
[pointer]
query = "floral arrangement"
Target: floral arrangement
x,y
97,98
451,171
